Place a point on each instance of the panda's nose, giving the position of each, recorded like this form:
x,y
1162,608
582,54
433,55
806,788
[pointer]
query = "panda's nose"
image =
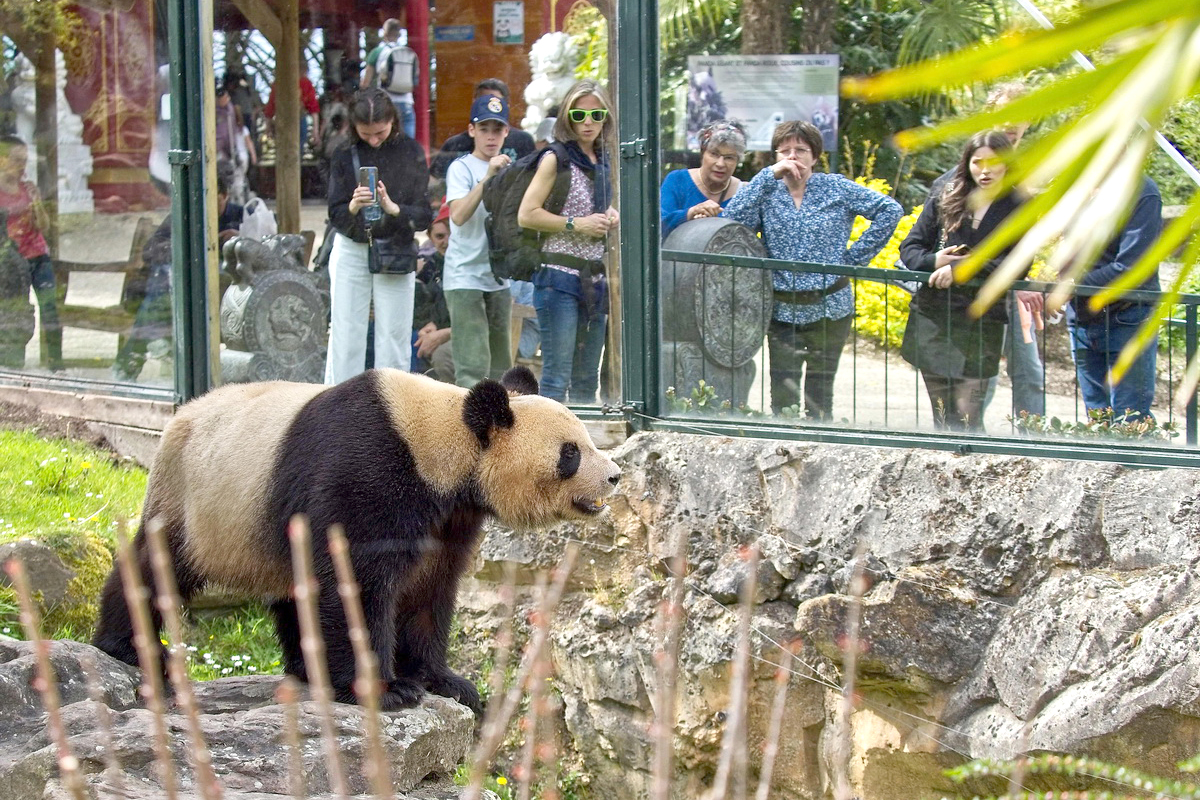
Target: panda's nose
x,y
614,479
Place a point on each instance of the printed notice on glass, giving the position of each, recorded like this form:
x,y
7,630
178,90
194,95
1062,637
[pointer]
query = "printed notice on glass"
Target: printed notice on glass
x,y
761,92
508,22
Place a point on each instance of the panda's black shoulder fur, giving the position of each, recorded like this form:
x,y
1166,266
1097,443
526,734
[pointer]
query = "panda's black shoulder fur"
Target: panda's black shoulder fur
x,y
343,461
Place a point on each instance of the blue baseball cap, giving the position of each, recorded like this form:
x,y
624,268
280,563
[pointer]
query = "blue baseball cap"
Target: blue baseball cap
x,y
488,106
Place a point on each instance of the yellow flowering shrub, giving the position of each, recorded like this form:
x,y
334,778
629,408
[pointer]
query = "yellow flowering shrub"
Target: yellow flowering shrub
x,y
881,310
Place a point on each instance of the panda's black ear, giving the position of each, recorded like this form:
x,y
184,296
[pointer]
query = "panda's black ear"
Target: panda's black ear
x,y
519,380
486,408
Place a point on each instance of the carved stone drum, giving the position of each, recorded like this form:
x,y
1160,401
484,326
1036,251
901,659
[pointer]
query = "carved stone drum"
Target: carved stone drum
x,y
276,312
714,318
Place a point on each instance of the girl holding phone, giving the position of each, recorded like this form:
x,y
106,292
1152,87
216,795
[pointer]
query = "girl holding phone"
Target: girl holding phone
x,y
395,208
956,353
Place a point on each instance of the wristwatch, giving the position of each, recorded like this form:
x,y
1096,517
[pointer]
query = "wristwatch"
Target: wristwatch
x,y
570,224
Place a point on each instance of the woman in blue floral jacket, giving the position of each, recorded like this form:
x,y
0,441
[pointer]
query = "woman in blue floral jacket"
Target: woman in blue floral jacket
x,y
807,216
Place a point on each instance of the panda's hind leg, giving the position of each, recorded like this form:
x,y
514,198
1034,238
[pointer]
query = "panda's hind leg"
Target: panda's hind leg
x,y
287,629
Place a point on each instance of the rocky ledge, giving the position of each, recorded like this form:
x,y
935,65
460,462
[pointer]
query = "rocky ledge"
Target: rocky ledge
x,y
242,723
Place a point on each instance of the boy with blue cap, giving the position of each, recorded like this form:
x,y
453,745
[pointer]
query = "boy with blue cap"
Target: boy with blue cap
x,y
480,305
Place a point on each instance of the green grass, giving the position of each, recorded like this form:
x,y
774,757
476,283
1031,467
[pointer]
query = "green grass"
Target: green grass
x,y
52,484
238,643
73,497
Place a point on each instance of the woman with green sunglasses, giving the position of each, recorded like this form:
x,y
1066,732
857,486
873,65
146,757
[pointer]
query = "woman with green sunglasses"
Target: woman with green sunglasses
x,y
570,288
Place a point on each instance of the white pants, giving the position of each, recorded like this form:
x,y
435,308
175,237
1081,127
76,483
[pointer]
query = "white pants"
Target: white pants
x,y
351,289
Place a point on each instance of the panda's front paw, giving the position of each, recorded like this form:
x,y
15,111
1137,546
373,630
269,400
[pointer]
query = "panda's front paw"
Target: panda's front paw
x,y
456,687
401,693
344,694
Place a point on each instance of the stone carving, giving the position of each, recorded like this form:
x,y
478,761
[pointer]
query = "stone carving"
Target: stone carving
x,y
74,157
274,316
552,60
714,318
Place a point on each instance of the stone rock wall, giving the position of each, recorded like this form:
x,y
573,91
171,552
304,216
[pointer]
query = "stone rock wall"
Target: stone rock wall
x,y
1012,603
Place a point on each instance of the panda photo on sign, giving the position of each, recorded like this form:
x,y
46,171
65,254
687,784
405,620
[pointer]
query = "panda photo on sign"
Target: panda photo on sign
x,y
409,467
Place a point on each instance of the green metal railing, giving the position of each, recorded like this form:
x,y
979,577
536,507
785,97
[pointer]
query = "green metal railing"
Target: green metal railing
x,y
1182,452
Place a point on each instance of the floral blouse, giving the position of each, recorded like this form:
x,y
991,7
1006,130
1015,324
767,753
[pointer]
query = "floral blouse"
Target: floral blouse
x,y
816,233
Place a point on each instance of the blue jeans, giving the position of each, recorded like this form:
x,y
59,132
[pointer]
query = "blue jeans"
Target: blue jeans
x,y
408,117
1024,366
1096,346
571,346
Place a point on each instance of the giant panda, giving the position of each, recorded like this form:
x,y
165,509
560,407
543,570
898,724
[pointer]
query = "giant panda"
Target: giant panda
x,y
410,467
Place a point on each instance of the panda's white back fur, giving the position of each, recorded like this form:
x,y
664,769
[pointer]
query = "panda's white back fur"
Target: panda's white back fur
x,y
220,450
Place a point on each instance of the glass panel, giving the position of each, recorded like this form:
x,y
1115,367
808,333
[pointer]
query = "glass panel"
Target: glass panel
x,y
276,316
84,185
828,332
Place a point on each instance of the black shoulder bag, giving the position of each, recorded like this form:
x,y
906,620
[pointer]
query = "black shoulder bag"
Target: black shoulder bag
x,y
384,256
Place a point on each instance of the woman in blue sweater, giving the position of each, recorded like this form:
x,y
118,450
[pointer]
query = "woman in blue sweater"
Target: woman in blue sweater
x,y
807,216
702,192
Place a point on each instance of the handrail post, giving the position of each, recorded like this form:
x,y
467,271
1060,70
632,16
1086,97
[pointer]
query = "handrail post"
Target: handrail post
x,y
1190,345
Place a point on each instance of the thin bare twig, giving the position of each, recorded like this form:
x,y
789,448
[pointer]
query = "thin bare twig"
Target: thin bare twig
x,y
313,647
112,766
145,641
493,731
366,684
46,683
534,718
670,627
168,603
841,759
288,695
771,751
734,739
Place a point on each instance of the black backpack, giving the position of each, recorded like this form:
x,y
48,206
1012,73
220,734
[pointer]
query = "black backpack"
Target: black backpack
x,y
516,252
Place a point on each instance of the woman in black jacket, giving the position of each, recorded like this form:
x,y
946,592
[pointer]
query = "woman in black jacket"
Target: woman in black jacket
x,y
403,209
956,353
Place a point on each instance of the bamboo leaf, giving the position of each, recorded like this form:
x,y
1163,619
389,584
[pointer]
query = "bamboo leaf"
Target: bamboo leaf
x,y
1019,51
1052,99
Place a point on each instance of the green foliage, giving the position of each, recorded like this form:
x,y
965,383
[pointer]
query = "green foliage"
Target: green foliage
x,y
1085,173
1181,127
703,400
1100,424
593,43
1111,776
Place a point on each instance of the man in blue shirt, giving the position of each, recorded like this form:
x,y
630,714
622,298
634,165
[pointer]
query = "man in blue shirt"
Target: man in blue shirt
x,y
1097,338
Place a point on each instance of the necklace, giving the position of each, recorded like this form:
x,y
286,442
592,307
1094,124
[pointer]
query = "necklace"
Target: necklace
x,y
721,192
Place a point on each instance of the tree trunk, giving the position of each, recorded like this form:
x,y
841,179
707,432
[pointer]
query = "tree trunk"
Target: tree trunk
x,y
764,26
816,26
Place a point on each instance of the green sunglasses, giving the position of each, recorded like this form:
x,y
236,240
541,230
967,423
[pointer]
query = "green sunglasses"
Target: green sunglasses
x,y
580,114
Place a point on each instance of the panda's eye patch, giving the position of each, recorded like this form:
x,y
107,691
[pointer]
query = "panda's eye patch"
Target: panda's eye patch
x,y
568,460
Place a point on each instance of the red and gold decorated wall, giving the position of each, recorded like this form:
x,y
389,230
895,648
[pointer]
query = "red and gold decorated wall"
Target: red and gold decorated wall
x,y
111,85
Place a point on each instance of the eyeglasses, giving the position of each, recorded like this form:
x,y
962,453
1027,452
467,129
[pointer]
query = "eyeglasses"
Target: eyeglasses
x,y
580,114
794,151
724,159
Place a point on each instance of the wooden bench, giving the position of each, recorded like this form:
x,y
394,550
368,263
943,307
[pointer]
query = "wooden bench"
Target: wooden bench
x,y
116,276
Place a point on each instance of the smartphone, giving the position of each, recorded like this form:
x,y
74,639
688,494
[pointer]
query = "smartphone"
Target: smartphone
x,y
369,177
962,250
